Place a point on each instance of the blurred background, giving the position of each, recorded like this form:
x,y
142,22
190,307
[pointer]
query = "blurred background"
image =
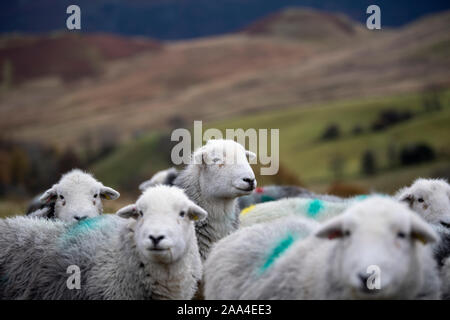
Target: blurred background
x,y
358,110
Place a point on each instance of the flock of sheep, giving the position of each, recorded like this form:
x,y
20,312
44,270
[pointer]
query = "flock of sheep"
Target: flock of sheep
x,y
208,232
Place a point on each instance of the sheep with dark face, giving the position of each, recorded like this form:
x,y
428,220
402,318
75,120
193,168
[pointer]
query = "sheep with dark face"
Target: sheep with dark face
x,y
271,261
218,174
148,250
77,195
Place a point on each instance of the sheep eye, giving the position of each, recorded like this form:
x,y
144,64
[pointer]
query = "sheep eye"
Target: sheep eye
x,y
182,213
61,197
347,233
420,200
95,195
141,213
401,235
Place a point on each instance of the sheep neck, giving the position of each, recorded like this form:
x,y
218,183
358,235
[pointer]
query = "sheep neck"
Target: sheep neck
x,y
222,218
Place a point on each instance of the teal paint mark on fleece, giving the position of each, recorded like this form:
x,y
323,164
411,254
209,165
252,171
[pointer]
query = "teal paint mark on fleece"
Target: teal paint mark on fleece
x,y
265,198
279,249
83,226
314,208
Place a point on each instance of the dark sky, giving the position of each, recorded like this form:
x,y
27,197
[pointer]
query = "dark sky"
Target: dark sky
x,y
180,19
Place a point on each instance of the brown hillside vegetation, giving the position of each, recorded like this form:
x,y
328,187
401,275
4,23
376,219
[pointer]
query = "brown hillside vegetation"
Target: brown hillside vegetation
x,y
219,77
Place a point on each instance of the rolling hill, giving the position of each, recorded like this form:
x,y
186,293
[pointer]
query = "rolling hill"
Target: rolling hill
x,y
223,77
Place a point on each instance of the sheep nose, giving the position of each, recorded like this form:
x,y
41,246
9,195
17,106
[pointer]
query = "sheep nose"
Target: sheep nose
x,y
156,240
79,218
250,181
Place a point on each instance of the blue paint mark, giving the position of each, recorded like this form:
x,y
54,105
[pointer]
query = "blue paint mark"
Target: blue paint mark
x,y
315,207
265,198
279,249
84,226
361,197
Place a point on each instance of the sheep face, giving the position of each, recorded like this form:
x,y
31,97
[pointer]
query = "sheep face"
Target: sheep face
x,y
377,234
225,171
78,196
430,198
164,227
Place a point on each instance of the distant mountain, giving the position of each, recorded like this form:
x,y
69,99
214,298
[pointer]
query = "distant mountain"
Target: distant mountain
x,y
307,25
69,56
269,67
180,19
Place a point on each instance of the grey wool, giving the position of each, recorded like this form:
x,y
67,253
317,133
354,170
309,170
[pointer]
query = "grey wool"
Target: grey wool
x,y
113,255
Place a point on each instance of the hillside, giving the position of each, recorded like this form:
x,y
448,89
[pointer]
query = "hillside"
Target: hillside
x,y
303,153
222,77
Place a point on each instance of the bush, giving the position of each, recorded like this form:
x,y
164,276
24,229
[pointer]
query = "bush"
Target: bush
x,y
390,117
368,163
331,132
417,153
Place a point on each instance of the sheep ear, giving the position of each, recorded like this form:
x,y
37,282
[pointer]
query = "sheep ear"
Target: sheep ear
x,y
130,211
422,231
405,196
199,156
109,193
49,196
251,155
331,230
196,213
146,184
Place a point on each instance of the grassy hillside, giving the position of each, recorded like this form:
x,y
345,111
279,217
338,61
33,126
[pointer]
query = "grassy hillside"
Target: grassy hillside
x,y
303,152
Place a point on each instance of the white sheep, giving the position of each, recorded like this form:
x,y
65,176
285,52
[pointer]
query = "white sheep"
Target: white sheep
x,y
430,198
219,172
161,177
153,255
277,192
317,209
377,241
77,195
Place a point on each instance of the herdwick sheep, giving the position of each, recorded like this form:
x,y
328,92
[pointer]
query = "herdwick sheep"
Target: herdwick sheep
x,y
317,209
219,172
430,198
272,193
153,255
77,195
339,260
161,177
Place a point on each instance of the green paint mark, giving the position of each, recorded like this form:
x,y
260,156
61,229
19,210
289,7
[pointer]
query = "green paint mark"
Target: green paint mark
x,y
265,198
282,246
314,208
84,226
361,197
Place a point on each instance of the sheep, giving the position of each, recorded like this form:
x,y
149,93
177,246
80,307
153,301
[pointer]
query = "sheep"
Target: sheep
x,y
314,208
161,177
219,172
77,195
337,260
430,198
148,250
275,192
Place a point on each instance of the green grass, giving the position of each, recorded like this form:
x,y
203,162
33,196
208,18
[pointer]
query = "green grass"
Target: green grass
x,y
130,163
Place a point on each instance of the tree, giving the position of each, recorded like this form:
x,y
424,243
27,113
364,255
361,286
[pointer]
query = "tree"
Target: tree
x,y
368,163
